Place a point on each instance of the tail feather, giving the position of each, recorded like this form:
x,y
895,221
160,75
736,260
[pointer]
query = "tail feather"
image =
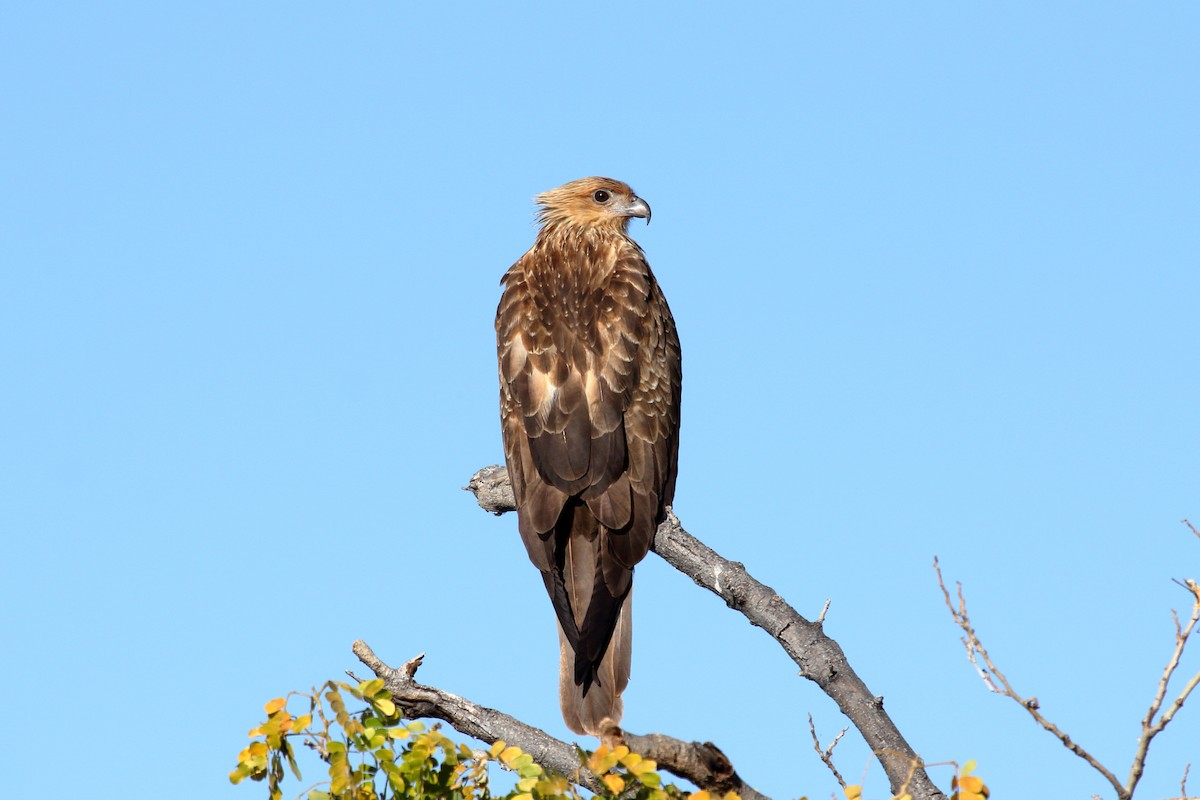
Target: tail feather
x,y
594,707
590,591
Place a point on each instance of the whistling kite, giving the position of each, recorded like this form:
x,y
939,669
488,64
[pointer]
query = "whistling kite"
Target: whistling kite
x,y
589,402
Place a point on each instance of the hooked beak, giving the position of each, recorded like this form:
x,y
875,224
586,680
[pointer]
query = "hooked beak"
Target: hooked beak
x,y
639,208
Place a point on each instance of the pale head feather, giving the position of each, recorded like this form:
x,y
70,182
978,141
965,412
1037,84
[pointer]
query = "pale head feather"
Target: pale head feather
x,y
595,203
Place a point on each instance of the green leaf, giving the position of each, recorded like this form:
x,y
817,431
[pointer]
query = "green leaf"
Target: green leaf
x,y
291,759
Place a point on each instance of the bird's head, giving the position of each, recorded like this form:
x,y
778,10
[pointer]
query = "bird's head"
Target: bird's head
x,y
592,203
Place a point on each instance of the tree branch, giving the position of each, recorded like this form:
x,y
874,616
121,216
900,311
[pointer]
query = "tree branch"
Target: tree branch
x,y
1151,727
975,646
702,764
819,657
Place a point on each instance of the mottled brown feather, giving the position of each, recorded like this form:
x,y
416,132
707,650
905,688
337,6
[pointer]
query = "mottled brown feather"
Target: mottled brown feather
x,y
590,380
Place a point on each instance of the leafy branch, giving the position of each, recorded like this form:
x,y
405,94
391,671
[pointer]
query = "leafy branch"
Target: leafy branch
x,y
398,760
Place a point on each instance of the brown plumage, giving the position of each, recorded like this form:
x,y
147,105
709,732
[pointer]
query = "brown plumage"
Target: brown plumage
x,y
589,403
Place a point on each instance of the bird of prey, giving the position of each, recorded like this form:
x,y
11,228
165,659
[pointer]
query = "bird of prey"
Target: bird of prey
x,y
589,404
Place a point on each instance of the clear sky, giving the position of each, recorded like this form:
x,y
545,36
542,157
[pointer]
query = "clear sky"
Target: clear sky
x,y
936,271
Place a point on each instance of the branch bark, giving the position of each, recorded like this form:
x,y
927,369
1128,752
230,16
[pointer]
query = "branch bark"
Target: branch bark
x,y
702,764
819,657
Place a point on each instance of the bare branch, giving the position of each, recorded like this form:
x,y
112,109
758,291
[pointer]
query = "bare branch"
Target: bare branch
x,y
702,764
975,647
493,490
826,755
819,657
1150,726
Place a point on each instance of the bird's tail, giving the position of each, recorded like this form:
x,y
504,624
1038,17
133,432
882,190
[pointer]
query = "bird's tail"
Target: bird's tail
x,y
594,707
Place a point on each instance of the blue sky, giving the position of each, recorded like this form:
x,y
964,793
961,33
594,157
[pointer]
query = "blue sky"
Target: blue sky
x,y
935,273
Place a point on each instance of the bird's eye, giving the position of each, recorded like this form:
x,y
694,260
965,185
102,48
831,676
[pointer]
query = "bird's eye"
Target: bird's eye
x,y
600,196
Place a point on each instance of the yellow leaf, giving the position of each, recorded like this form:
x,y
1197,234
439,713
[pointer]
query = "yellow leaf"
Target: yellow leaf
x,y
300,723
643,766
615,783
853,792
597,758
732,796
510,753
385,705
700,795
631,760
275,705
968,767
970,784
497,748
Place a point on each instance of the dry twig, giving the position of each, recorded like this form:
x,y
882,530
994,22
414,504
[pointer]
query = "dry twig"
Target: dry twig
x,y
826,755
1151,726
974,646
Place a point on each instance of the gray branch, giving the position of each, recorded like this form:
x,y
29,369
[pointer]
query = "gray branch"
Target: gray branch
x,y
702,764
819,657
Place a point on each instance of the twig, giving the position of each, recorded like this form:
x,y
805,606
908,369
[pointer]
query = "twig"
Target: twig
x,y
819,657
1151,727
974,646
826,755
702,764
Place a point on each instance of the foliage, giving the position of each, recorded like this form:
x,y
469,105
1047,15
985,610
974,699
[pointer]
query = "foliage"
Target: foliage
x,y
967,786
373,754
